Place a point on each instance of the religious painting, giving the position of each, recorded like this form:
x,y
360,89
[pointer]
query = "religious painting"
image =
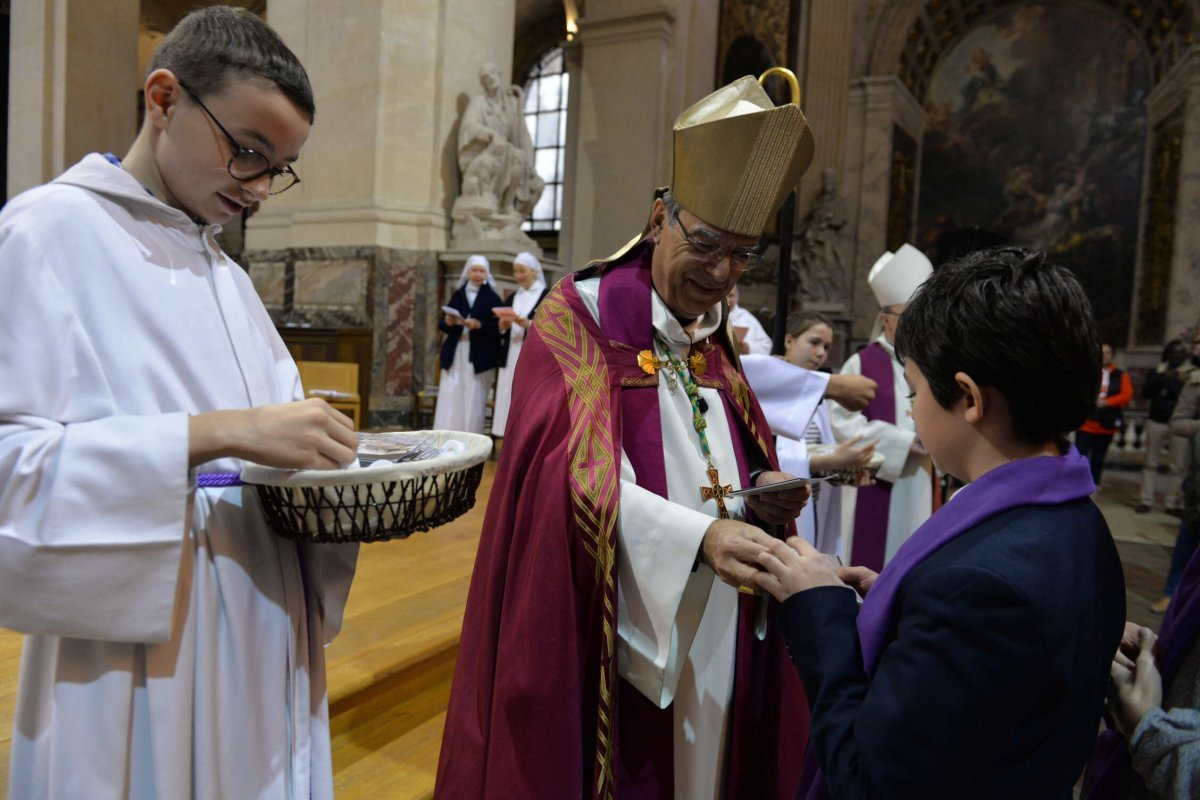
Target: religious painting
x,y
1040,144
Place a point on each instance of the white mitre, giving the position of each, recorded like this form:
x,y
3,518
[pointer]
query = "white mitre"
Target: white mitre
x,y
895,276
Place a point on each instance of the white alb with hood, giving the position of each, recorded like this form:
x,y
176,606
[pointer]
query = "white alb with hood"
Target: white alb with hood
x,y
174,643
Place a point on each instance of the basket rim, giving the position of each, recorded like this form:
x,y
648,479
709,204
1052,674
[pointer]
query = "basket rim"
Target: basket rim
x,y
477,448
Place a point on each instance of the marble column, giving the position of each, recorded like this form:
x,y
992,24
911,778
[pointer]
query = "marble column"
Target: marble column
x,y
73,85
877,106
636,70
1166,297
357,243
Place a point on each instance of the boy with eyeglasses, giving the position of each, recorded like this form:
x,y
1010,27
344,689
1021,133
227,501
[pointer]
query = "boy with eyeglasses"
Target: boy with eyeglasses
x,y
174,644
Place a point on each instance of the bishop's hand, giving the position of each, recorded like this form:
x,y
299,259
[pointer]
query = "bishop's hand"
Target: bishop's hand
x,y
777,508
732,549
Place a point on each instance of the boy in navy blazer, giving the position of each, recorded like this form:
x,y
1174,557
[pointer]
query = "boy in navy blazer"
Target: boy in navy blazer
x,y
978,661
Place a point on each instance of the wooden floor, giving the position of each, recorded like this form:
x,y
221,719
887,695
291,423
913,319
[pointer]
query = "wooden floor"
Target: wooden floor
x,y
389,669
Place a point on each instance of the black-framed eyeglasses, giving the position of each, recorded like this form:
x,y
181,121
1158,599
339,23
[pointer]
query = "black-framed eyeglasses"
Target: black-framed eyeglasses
x,y
246,165
712,251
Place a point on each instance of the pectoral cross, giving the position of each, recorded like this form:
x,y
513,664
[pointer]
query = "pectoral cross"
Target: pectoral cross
x,y
716,492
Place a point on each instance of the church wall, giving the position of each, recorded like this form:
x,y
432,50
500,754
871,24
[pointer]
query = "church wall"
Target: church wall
x,y
380,173
72,85
641,62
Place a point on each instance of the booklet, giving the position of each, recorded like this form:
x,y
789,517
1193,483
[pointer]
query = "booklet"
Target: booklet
x,y
776,487
453,312
505,312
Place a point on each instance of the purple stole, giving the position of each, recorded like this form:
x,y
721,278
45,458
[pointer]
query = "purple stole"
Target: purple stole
x,y
871,508
1110,765
1044,480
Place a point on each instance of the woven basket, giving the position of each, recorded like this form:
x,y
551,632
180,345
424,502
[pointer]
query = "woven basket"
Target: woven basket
x,y
373,504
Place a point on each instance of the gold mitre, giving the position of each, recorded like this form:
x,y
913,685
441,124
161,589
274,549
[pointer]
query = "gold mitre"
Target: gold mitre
x,y
738,155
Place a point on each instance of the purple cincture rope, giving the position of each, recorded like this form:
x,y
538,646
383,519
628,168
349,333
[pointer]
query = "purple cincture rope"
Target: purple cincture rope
x,y
215,480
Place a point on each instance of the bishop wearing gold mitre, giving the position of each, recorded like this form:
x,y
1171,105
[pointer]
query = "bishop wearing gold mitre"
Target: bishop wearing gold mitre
x,y
607,650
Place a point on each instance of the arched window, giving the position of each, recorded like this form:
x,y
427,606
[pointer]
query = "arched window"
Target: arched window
x,y
546,118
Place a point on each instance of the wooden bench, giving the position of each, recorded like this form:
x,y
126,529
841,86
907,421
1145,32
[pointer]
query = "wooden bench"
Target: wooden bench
x,y
336,383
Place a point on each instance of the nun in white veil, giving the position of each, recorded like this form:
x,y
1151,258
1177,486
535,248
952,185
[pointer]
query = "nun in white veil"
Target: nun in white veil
x,y
531,288
471,351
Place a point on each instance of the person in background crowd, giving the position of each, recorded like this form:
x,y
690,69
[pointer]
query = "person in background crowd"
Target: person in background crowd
x,y
792,392
471,350
877,519
1185,424
1161,390
1096,434
751,338
531,288
809,338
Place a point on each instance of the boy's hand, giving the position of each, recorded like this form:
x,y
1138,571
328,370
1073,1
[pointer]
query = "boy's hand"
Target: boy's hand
x,y
793,566
1136,687
308,434
1130,645
777,508
860,579
847,455
731,548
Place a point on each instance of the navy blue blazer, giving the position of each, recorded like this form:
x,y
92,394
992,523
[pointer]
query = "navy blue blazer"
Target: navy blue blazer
x,y
484,342
992,680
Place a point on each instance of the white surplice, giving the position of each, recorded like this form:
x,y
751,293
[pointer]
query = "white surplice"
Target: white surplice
x,y
677,628
523,302
757,340
175,644
790,397
912,481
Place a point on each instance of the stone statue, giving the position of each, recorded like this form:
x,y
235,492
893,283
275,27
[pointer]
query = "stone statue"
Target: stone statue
x,y
495,155
822,272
